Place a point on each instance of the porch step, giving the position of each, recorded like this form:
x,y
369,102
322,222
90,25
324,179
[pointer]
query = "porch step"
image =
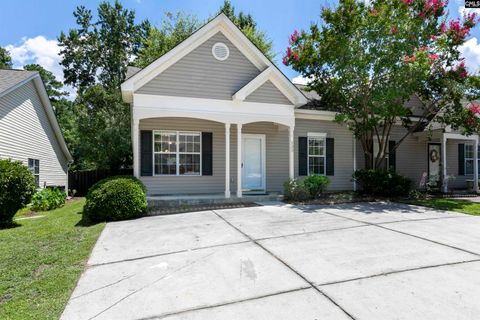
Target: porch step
x,y
182,201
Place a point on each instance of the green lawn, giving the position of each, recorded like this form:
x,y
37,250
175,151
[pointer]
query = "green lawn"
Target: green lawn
x,y
41,260
463,206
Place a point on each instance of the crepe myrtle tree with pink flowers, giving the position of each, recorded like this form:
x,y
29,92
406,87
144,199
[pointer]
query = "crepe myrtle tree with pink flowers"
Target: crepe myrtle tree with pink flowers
x,y
365,60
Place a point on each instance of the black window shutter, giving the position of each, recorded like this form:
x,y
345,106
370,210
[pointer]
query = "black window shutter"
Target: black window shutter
x,y
302,156
461,159
392,160
207,166
146,146
330,171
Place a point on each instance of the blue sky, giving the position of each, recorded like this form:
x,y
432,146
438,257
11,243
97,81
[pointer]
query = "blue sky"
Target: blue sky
x,y
29,28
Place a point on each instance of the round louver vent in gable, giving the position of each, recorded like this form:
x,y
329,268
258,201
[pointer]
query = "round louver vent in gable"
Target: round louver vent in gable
x,y
220,51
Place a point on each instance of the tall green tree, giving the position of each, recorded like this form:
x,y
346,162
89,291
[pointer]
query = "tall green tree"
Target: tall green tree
x,y
52,85
95,56
5,59
174,29
99,51
367,59
246,23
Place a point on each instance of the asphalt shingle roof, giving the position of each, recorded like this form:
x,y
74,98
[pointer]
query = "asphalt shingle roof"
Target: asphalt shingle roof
x,y
10,78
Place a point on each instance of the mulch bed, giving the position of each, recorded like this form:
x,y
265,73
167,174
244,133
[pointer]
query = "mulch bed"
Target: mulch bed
x,y
341,197
195,208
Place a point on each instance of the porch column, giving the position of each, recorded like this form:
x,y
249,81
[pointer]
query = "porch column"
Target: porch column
x,y
227,160
444,164
290,152
135,146
239,160
475,166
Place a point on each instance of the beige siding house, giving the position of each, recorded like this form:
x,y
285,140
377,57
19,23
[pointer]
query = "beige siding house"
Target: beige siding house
x,y
29,131
215,116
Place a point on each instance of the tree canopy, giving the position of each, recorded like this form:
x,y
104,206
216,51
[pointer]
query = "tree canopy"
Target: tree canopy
x,y
95,56
5,59
53,86
367,59
246,23
99,51
174,29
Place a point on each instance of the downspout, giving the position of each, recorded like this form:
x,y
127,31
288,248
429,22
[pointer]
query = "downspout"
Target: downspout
x,y
354,161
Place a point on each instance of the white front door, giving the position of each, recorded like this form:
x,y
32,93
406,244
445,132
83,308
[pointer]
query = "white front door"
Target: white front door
x,y
253,162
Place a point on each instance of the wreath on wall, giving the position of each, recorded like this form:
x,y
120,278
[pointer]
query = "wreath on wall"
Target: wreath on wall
x,y
434,156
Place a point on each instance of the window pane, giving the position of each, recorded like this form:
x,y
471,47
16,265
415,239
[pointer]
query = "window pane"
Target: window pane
x,y
469,166
315,146
189,164
189,142
37,166
316,165
468,151
165,164
166,142
37,181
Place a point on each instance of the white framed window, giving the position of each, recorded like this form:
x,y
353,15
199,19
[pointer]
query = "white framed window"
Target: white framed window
x,y
317,153
177,153
469,158
34,167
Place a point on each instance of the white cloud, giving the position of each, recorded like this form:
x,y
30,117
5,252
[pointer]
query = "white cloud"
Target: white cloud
x,y
300,80
38,50
471,51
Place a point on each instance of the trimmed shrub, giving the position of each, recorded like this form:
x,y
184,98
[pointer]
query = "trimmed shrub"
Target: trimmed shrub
x,y
48,199
115,198
383,183
294,190
315,185
17,186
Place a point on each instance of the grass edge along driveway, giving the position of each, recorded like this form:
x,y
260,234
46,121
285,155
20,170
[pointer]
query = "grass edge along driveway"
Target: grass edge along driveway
x,y
457,205
41,260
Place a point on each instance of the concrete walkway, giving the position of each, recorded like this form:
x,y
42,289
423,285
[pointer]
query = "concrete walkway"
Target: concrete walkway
x,y
281,262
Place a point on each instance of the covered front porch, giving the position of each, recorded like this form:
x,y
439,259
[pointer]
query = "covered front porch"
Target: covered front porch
x,y
451,156
249,151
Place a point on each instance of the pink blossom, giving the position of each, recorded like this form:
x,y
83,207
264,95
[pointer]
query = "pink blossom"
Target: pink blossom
x,y
433,56
475,108
470,121
443,28
433,37
374,12
294,37
394,29
285,60
407,2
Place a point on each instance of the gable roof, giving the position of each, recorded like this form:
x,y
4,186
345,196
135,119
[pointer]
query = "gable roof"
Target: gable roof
x,y
11,80
219,24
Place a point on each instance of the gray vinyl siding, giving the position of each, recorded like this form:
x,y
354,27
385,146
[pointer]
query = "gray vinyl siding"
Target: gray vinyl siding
x,y
268,93
452,165
166,185
411,155
200,75
276,157
26,132
343,149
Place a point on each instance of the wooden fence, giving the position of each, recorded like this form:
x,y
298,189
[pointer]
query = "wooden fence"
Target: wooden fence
x,y
81,181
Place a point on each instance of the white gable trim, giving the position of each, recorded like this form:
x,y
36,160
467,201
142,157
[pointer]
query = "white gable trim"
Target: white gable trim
x,y
253,85
220,24
42,93
280,82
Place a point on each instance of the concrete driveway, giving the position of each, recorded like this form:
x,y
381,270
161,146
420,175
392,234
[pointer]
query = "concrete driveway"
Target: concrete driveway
x,y
352,261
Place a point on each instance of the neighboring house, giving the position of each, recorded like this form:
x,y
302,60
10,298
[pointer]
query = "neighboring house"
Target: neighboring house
x,y
29,131
214,115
